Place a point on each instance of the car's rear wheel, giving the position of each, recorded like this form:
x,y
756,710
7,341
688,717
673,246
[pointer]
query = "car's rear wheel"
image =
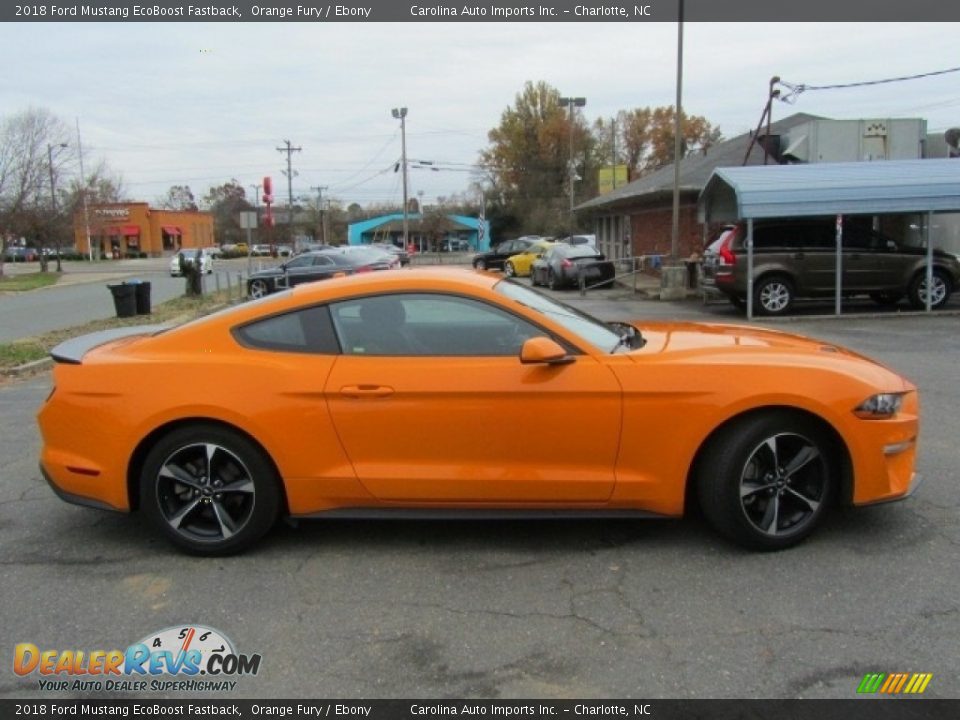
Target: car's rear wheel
x,y
209,490
258,288
940,290
765,481
509,270
773,295
480,264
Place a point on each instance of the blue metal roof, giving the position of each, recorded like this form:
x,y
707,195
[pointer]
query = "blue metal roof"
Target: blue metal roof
x,y
849,188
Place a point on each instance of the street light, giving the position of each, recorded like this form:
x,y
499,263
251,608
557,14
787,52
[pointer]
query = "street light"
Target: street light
x,y
401,115
572,103
53,201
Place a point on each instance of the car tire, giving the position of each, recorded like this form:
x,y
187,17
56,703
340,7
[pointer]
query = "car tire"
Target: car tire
x,y
480,264
941,290
552,281
258,288
767,480
773,295
209,490
509,270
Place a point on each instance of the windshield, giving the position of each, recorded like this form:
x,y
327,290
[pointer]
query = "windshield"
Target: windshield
x,y
585,326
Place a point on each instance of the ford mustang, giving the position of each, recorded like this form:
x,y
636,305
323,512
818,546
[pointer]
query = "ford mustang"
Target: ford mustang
x,y
402,394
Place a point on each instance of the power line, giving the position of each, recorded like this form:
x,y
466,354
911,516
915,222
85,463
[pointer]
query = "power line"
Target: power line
x,y
797,88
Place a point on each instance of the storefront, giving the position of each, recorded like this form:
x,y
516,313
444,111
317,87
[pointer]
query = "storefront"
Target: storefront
x,y
137,230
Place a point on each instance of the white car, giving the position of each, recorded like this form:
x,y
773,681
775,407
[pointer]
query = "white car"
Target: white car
x,y
189,255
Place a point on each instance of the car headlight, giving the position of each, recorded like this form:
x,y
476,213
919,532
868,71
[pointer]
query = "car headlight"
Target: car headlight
x,y
880,406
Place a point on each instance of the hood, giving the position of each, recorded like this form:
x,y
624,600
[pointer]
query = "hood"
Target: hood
x,y
745,344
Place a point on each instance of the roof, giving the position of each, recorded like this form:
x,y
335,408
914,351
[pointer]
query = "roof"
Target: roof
x,y
695,169
855,188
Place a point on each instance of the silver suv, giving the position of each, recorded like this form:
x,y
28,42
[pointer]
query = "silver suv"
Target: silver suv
x,y
797,258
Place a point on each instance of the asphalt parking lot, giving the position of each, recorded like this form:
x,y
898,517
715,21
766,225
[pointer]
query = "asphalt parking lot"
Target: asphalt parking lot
x,y
548,609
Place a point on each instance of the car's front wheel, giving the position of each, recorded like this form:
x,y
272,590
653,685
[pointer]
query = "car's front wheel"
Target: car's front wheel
x,y
209,490
766,480
939,293
258,288
509,270
773,295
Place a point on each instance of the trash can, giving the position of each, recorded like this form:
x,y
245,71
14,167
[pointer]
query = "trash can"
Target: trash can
x,y
124,299
142,292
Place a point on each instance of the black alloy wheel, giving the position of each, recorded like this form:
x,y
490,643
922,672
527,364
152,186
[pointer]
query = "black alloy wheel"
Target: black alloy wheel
x,y
209,490
765,481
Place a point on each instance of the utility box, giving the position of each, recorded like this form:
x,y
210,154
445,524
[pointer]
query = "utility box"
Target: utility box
x,y
855,140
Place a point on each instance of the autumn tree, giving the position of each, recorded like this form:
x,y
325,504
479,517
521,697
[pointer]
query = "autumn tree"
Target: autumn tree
x,y
529,163
226,202
646,136
179,198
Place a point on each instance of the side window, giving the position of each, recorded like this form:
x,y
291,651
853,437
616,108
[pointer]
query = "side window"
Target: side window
x,y
322,260
304,331
428,325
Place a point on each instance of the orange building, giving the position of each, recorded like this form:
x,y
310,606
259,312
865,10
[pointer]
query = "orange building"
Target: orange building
x,y
134,229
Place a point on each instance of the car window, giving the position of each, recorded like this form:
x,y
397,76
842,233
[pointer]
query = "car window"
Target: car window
x,y
428,324
322,260
302,261
307,331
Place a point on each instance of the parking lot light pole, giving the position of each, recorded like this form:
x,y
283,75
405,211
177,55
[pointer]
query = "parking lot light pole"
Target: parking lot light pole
x,y
572,103
401,115
53,202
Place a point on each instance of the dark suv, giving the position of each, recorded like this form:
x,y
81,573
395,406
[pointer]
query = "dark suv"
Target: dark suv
x,y
797,258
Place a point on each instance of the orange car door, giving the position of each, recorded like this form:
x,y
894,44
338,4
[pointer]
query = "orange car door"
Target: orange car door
x,y
432,403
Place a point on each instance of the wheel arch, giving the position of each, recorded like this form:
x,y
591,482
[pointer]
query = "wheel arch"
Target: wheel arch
x,y
139,455
838,447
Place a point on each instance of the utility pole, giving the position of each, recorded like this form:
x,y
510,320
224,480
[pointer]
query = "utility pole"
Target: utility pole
x,y
289,150
323,226
53,206
677,147
83,184
573,103
401,115
613,139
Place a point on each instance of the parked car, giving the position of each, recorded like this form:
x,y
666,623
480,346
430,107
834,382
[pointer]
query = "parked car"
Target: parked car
x,y
20,254
763,429
321,265
455,245
562,265
519,265
579,240
261,250
796,258
189,256
402,255
495,258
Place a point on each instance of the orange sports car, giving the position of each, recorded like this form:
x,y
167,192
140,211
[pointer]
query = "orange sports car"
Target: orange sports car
x,y
404,393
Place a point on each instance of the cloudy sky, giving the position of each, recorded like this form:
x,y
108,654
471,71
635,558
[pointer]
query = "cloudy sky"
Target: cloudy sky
x,y
198,104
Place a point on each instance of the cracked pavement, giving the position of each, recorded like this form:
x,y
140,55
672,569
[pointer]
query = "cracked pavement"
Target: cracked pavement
x,y
508,609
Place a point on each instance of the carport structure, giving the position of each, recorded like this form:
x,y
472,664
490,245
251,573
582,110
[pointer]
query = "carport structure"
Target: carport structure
x,y
885,187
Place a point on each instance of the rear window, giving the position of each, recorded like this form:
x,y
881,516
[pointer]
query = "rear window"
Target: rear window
x,y
715,246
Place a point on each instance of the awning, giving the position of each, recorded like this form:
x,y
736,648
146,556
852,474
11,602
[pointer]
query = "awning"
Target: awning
x,y
124,230
171,230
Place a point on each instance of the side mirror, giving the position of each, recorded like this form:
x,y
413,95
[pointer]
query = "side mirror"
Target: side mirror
x,y
543,351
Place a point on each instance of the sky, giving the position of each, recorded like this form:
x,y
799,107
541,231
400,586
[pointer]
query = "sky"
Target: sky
x,y
200,104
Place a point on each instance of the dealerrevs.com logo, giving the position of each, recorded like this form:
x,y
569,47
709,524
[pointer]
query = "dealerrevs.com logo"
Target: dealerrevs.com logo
x,y
178,658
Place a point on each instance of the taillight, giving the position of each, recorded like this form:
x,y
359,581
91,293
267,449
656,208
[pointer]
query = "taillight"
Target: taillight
x,y
726,253
566,263
363,268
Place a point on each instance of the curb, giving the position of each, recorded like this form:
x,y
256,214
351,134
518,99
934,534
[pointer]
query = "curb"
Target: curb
x,y
30,367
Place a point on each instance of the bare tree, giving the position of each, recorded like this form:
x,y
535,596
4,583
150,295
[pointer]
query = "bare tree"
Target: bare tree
x,y
26,143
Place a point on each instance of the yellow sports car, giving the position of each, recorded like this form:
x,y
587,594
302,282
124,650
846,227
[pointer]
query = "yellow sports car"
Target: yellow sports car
x,y
519,265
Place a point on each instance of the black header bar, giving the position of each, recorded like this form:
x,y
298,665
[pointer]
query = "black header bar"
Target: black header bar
x,y
640,11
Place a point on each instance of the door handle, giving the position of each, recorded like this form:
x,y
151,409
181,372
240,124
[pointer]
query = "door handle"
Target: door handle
x,y
366,391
